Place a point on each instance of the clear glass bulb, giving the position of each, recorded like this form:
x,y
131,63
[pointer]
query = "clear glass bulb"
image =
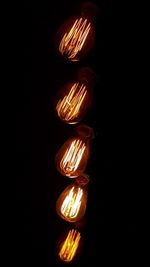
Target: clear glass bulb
x,y
73,41
71,204
77,35
71,159
70,245
69,107
74,99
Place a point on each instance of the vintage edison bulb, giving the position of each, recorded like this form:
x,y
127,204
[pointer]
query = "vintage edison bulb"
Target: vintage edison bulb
x,y
70,246
76,36
75,98
71,204
71,159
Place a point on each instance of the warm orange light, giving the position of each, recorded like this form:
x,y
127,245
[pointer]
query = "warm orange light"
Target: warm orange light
x,y
69,107
76,36
71,204
70,246
75,97
74,40
72,158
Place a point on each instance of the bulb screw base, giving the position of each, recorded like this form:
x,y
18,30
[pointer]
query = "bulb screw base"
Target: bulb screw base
x,y
85,131
83,179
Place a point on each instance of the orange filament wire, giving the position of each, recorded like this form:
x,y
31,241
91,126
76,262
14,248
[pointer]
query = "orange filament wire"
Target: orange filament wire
x,y
70,245
69,107
72,202
73,41
72,157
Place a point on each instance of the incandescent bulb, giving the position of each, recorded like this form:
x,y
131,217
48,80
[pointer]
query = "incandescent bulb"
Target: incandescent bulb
x,y
71,204
70,246
75,97
73,41
71,159
76,36
69,107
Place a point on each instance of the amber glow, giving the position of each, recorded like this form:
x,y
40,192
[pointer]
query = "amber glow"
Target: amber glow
x,y
70,245
73,41
68,108
71,204
72,157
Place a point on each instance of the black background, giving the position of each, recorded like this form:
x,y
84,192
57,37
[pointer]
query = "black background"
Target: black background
x,y
110,233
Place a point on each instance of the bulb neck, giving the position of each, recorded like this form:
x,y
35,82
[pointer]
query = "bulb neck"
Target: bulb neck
x,y
89,10
83,180
86,76
85,131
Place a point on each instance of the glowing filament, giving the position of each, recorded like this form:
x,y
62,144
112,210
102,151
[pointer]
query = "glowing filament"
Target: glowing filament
x,y
69,107
73,41
70,245
72,157
71,204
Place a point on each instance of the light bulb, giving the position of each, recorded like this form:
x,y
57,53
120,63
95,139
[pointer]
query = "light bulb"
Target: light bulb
x,y
75,97
70,245
74,40
69,107
71,159
71,204
77,34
